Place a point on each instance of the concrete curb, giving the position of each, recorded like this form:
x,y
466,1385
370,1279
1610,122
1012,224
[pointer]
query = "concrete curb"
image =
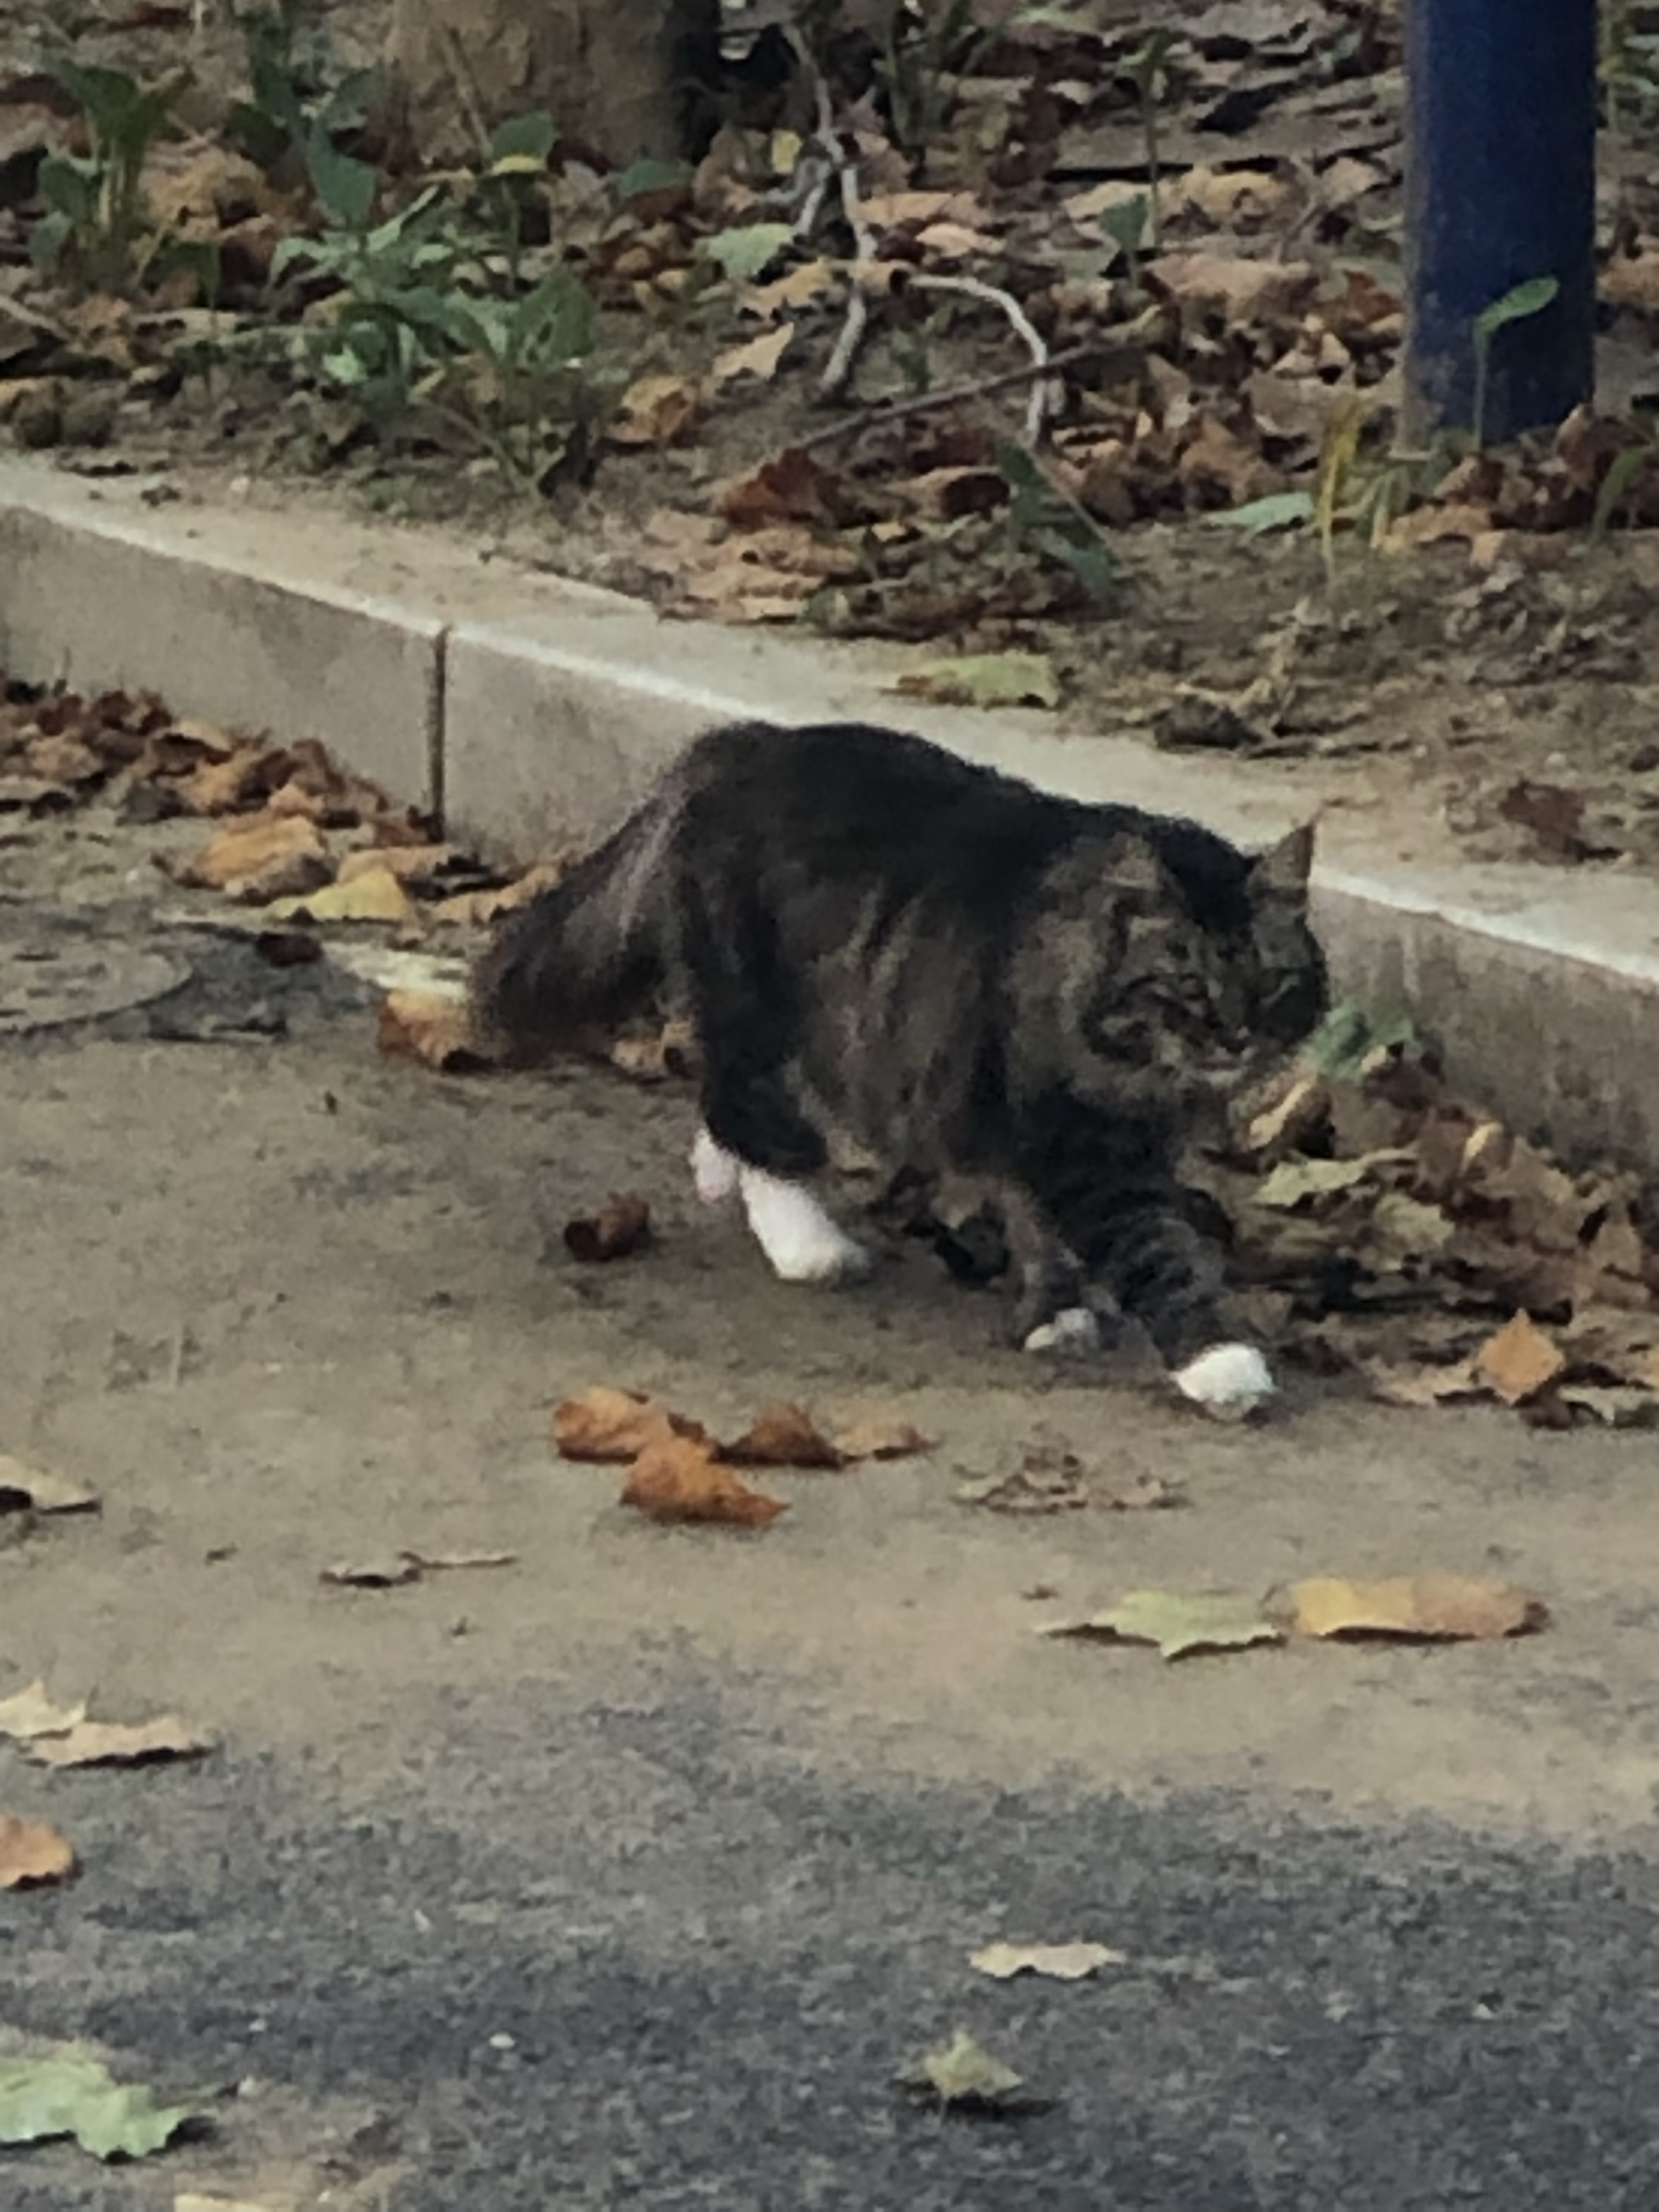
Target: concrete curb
x,y
531,710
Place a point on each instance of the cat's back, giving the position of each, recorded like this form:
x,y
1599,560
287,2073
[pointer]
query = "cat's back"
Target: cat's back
x,y
847,798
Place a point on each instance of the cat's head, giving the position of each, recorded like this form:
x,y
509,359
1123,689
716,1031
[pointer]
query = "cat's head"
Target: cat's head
x,y
1219,974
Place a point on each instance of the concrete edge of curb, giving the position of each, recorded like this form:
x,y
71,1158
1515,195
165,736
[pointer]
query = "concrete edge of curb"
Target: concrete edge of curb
x,y
529,710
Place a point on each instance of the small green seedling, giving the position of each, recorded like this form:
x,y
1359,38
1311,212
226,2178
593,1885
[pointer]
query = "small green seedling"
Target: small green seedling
x,y
1517,306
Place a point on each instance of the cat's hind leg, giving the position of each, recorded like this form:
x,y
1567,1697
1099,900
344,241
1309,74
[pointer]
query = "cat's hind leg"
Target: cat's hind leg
x,y
756,1145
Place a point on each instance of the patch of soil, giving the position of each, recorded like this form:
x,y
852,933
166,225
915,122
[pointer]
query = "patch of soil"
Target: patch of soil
x,y
1481,674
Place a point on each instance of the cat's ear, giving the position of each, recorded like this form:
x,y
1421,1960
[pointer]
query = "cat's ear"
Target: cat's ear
x,y
1283,872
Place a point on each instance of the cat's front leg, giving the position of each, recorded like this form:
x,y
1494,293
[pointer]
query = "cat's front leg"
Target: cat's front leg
x,y
1056,1309
1172,1278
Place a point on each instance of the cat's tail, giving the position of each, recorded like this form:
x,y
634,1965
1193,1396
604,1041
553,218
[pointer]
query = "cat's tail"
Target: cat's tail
x,y
590,951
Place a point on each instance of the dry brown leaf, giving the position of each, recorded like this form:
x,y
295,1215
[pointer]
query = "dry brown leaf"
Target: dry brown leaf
x,y
1143,1493
1045,1481
259,857
615,1229
1518,1361
430,1027
31,1853
679,1478
411,864
880,1439
376,894
1631,280
654,411
1240,290
1421,1608
63,759
472,908
42,1491
117,1743
30,1712
607,1425
224,786
1422,1386
781,1436
758,356
796,287
793,486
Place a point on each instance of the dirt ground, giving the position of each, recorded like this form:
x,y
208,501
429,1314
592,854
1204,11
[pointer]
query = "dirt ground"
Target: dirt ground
x,y
1503,705
640,1861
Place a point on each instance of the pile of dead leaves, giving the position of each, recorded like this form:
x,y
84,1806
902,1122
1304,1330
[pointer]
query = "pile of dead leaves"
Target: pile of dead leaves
x,y
679,1471
1401,1232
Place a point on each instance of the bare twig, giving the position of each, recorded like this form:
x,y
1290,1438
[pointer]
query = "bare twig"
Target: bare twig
x,y
898,408
839,368
974,288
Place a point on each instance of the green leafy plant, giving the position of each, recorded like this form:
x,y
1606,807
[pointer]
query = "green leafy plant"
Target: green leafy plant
x,y
292,92
1126,226
1149,70
1043,520
1517,305
431,328
96,226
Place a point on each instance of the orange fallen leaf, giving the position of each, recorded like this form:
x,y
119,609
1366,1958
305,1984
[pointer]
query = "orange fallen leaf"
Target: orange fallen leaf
x,y
613,1231
32,1853
679,1478
1518,1361
116,1743
781,1436
1420,1608
259,857
427,1026
608,1425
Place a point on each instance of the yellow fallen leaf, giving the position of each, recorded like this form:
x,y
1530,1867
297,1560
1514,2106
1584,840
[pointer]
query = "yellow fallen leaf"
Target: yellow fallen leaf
x,y
1427,1607
374,895
1518,1361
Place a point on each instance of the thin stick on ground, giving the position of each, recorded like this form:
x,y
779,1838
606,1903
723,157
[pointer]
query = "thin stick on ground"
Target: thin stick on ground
x,y
902,405
974,288
838,369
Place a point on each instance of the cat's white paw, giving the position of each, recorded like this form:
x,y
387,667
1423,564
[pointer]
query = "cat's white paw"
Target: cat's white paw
x,y
804,1243
1074,1331
1228,1381
715,1172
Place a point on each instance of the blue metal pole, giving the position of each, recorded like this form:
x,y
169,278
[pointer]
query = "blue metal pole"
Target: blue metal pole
x,y
1500,189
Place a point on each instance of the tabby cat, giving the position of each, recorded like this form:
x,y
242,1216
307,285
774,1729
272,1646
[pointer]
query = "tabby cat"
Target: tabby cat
x,y
959,975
